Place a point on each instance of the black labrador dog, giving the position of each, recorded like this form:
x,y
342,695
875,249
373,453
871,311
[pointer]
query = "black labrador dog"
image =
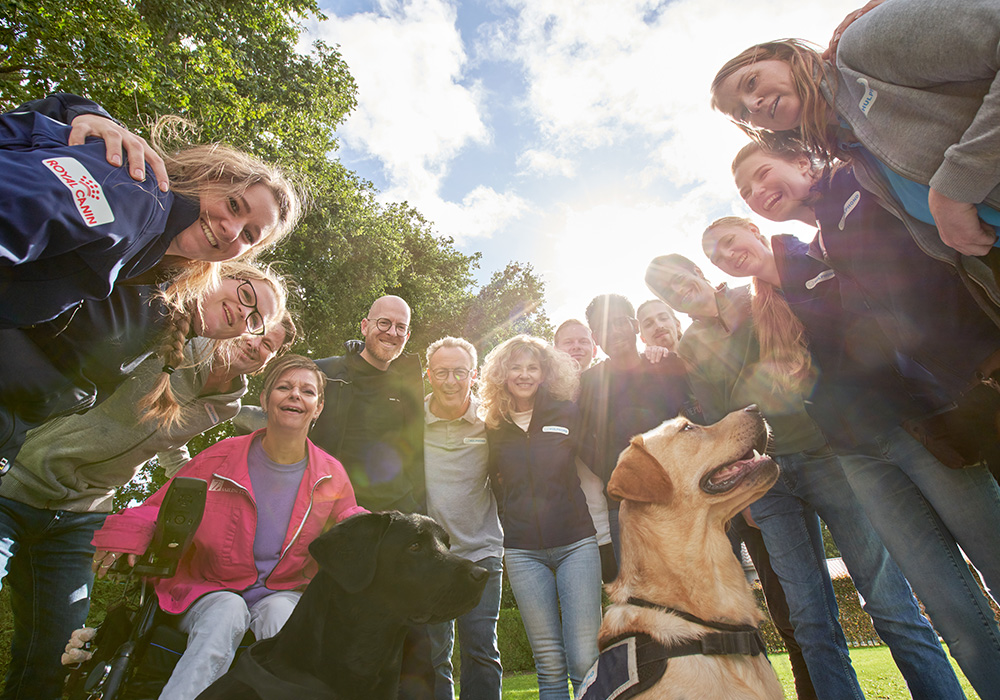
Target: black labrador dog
x,y
378,574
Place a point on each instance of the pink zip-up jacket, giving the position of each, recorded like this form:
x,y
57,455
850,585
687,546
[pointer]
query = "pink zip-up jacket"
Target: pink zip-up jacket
x,y
221,556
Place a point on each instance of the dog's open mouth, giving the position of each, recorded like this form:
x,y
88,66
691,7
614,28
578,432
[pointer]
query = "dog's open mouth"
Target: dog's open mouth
x,y
729,476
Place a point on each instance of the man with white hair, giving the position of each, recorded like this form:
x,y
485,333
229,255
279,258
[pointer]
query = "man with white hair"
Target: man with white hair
x,y
459,497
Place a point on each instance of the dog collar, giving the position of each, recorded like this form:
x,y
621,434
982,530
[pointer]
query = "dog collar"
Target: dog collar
x,y
642,603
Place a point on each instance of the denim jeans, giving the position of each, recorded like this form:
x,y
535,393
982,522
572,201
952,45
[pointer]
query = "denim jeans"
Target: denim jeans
x,y
924,512
545,581
45,560
477,636
813,484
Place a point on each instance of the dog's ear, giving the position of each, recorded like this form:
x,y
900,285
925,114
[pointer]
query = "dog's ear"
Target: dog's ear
x,y
639,476
349,550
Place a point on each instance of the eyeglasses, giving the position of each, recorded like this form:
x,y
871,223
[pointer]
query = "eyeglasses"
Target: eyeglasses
x,y
384,324
248,297
442,374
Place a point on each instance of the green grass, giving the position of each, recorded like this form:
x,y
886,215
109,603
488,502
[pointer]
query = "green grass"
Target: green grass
x,y
879,677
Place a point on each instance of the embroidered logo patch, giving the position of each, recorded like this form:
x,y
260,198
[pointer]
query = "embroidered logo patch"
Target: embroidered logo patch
x,y
88,196
555,429
212,413
821,277
849,205
475,441
868,99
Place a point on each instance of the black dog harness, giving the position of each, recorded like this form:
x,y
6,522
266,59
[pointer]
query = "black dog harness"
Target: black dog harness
x,y
632,663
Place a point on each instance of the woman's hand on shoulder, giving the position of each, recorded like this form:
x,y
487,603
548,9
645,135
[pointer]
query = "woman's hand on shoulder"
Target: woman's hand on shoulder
x,y
959,225
831,51
116,140
105,560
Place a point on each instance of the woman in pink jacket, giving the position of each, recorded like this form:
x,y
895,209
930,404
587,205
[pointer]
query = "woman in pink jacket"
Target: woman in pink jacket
x,y
269,495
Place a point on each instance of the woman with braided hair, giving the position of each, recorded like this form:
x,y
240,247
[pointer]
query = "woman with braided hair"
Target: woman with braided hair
x,y
58,367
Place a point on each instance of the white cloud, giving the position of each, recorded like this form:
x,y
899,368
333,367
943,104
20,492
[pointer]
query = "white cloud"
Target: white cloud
x,y
541,163
416,108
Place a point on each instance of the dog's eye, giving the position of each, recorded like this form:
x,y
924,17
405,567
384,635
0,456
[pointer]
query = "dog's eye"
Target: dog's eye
x,y
689,426
416,547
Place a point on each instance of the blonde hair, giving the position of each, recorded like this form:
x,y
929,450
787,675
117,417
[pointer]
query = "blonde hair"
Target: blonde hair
x,y
160,404
784,348
218,171
815,132
559,372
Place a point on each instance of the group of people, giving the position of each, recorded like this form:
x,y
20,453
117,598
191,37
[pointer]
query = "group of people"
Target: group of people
x,y
131,314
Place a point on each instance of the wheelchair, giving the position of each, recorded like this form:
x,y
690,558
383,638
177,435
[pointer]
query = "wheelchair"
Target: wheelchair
x,y
135,648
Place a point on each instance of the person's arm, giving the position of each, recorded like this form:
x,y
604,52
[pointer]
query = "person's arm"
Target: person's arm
x,y
934,44
173,459
831,51
90,119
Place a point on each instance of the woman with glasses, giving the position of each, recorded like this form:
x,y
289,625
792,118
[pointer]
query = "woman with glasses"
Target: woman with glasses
x,y
73,223
550,549
63,367
270,494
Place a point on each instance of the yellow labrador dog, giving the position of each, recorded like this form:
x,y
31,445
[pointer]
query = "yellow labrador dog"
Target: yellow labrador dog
x,y
683,622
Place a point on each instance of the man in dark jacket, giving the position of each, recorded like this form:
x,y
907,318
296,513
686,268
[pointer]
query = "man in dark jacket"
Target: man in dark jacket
x,y
373,415
373,422
626,394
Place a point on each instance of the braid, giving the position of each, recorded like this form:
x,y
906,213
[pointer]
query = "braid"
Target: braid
x,y
160,404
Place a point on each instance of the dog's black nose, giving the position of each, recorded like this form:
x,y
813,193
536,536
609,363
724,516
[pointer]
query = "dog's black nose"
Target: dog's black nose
x,y
752,408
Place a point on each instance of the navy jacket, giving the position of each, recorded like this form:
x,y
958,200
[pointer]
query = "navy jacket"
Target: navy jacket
x,y
70,364
535,479
919,302
71,224
860,392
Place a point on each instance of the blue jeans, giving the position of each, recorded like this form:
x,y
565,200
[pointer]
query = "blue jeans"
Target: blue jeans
x,y
477,635
924,512
45,560
813,484
545,581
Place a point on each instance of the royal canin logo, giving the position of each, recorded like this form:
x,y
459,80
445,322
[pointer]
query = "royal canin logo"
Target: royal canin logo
x,y
86,191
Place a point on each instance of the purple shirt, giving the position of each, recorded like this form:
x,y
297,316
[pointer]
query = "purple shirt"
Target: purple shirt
x,y
275,487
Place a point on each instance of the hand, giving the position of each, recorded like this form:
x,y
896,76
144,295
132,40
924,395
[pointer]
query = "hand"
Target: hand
x,y
749,518
655,353
831,51
959,225
116,139
103,561
76,648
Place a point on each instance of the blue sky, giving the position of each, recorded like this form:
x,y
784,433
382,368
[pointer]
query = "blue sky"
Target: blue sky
x,y
571,134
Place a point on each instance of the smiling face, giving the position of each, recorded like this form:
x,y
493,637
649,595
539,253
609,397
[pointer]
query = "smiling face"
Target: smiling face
x,y
689,293
228,227
615,330
776,188
576,341
294,402
222,315
524,376
763,95
384,346
451,395
251,353
738,250
658,325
